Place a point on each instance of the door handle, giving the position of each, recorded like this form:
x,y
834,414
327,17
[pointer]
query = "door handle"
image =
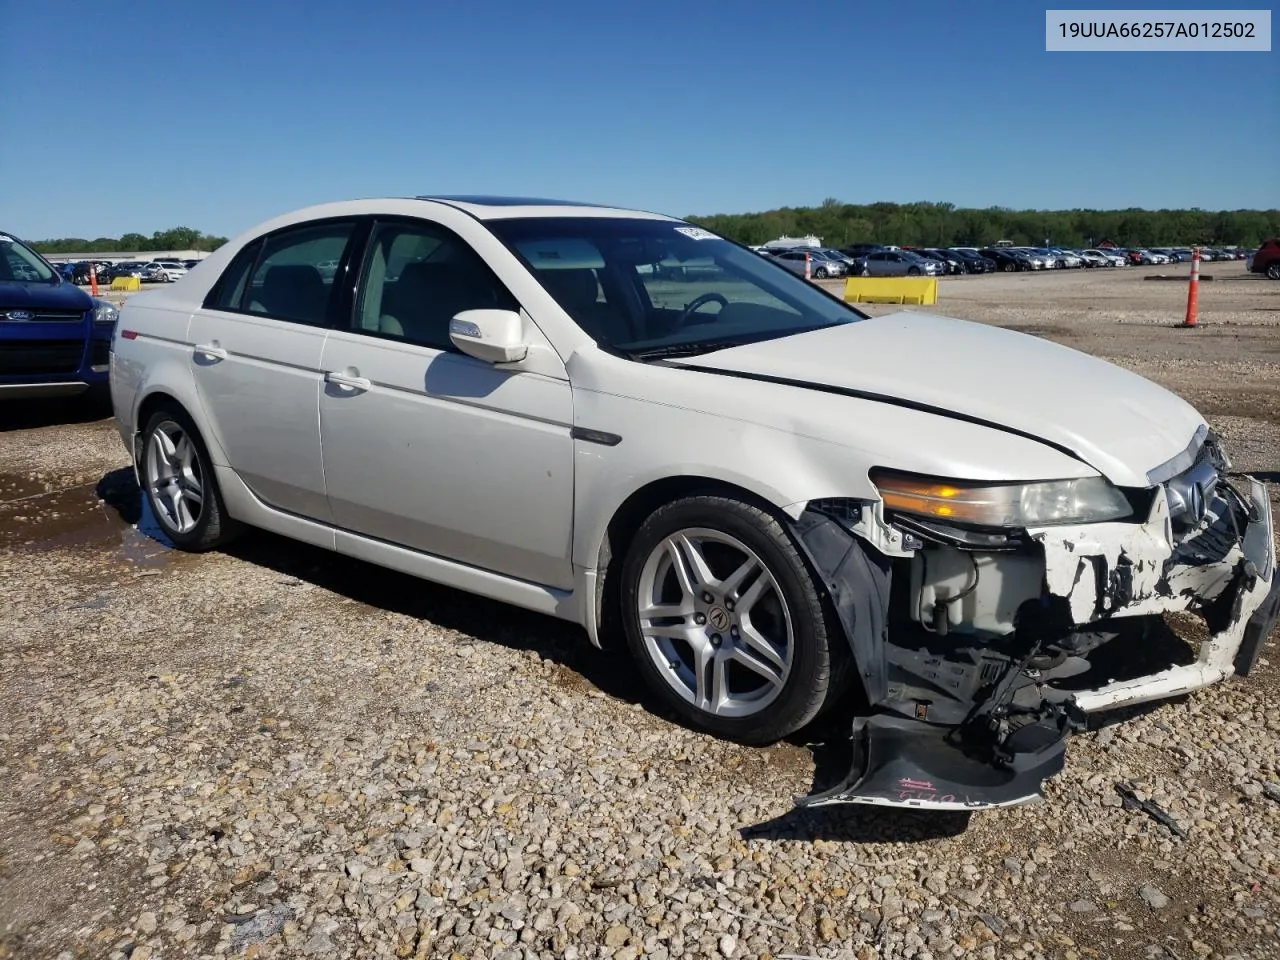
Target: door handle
x,y
210,350
347,382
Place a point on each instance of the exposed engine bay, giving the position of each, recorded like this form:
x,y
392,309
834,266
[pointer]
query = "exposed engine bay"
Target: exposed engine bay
x,y
980,650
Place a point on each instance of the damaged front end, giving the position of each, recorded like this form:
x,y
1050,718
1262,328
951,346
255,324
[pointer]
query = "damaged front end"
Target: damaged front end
x,y
979,649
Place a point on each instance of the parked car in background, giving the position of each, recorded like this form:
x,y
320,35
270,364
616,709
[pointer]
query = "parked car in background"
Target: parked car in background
x,y
1065,259
951,261
55,339
1266,259
1110,257
859,250
1037,261
972,261
148,271
128,268
900,263
1006,259
81,273
821,266
173,269
840,257
1093,258
776,502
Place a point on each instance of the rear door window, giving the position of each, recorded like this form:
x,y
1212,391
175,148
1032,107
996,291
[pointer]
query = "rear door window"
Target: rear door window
x,y
288,282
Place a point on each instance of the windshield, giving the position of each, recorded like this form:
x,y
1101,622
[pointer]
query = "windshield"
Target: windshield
x,y
654,287
20,262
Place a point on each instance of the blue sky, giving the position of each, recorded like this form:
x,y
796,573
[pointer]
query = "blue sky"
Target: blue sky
x,y
217,115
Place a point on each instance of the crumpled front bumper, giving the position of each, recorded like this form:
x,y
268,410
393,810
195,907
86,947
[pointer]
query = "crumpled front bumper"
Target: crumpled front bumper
x,y
1111,570
1098,575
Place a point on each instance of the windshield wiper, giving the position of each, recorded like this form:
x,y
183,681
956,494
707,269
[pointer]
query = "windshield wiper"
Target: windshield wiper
x,y
683,349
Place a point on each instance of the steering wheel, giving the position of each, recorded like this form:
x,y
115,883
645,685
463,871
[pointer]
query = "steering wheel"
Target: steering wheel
x,y
698,302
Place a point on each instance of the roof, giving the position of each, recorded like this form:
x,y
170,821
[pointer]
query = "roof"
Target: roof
x,y
510,208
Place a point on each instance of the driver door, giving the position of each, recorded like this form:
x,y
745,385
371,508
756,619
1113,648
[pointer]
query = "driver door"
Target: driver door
x,y
434,450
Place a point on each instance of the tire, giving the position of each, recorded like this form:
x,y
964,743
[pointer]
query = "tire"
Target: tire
x,y
176,462
913,271
820,273
1009,267
1273,270
785,629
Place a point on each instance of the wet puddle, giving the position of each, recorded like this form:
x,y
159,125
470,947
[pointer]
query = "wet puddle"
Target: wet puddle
x,y
108,515
19,486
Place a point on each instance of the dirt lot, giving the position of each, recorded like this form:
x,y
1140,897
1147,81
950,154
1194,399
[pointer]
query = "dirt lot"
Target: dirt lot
x,y
277,752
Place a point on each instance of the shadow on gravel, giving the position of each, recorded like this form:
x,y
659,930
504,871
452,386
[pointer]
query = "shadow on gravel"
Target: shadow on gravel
x,y
55,411
487,620
857,823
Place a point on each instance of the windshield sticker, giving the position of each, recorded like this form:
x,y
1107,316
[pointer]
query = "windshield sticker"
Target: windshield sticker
x,y
696,233
561,253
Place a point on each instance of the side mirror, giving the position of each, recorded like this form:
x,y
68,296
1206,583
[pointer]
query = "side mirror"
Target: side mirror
x,y
494,336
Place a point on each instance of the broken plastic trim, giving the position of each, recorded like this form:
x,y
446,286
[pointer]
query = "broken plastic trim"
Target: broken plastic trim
x,y
857,580
905,763
962,538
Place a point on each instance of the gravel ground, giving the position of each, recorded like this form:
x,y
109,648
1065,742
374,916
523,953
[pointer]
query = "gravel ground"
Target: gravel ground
x,y
276,752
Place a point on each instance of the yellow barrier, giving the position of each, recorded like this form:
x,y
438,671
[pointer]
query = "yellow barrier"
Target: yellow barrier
x,y
921,290
126,283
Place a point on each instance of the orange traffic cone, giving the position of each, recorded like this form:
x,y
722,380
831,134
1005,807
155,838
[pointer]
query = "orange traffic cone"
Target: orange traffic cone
x,y
808,266
93,279
1193,291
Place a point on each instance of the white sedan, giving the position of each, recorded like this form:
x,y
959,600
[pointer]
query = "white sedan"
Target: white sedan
x,y
777,504
173,269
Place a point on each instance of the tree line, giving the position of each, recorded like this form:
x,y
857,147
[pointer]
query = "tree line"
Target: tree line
x,y
945,225
177,238
910,224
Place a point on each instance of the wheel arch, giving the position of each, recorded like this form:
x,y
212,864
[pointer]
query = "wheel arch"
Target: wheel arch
x,y
160,392
610,545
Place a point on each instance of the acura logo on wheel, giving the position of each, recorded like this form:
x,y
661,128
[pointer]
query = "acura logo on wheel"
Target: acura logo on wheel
x,y
20,315
719,618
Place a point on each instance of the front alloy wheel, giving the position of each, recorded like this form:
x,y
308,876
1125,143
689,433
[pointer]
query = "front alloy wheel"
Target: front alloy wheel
x,y
725,621
714,623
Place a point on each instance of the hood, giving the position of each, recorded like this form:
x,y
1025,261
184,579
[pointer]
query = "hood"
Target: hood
x,y
1117,422
16,294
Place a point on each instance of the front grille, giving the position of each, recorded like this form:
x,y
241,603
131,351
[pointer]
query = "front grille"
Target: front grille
x,y
40,356
42,316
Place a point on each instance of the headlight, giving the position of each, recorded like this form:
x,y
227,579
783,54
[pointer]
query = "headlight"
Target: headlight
x,y
104,312
1087,500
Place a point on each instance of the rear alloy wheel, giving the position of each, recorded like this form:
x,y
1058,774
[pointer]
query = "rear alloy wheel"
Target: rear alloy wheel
x,y
179,484
725,621
1273,270
1010,267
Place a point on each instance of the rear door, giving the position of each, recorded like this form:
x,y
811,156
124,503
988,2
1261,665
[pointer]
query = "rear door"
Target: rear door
x,y
258,341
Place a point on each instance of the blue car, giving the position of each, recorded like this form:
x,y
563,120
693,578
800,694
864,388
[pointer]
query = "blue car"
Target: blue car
x,y
55,340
